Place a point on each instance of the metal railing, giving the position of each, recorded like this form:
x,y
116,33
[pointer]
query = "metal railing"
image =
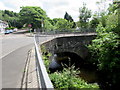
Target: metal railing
x,y
43,78
66,31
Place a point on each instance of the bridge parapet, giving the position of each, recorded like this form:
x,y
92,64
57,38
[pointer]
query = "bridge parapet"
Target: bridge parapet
x,y
75,44
66,31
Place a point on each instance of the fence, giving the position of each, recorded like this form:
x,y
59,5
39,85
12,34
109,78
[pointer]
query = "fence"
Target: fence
x,y
43,78
64,31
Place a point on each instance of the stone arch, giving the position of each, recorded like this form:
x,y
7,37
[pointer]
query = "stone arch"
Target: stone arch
x,y
66,59
69,57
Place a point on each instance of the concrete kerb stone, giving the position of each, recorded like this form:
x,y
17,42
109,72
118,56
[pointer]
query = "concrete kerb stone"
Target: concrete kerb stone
x,y
30,75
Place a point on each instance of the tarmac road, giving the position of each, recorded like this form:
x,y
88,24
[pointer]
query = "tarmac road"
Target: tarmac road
x,y
13,67
15,49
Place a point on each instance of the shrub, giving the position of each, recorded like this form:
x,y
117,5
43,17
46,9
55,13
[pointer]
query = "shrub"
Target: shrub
x,y
68,78
106,50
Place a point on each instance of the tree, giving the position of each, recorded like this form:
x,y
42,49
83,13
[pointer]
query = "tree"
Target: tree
x,y
70,19
48,26
62,24
102,7
95,21
55,20
11,17
32,15
84,16
106,50
113,7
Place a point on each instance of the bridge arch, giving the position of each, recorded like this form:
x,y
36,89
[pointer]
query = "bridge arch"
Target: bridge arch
x,y
75,44
65,59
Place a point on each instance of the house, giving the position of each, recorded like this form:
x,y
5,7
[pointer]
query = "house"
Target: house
x,y
3,25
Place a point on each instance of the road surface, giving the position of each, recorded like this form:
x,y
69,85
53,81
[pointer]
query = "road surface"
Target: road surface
x,y
15,48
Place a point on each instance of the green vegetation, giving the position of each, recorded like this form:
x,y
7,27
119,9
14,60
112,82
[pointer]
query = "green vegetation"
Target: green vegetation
x,y
46,60
105,52
32,15
67,78
69,19
11,17
105,48
45,56
9,28
37,18
48,25
94,22
84,16
63,24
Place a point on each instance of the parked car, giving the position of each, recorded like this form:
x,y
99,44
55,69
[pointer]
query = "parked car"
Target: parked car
x,y
10,31
15,29
7,31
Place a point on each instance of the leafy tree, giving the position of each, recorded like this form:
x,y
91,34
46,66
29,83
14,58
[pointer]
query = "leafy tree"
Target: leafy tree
x,y
94,22
102,10
112,8
63,24
55,20
106,50
84,16
1,14
48,25
11,13
11,17
32,15
51,21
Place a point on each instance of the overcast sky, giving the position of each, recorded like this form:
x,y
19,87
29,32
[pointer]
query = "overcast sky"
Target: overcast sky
x,y
53,8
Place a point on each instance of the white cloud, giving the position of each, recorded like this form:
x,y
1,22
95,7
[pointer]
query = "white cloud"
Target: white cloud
x,y
3,7
16,4
58,9
53,8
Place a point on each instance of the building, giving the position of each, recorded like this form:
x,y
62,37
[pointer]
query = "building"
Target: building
x,y
3,25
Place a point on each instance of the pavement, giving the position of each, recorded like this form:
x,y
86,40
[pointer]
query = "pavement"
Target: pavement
x,y
29,79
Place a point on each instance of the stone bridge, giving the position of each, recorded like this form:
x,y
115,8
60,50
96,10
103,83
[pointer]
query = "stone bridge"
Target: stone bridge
x,y
71,44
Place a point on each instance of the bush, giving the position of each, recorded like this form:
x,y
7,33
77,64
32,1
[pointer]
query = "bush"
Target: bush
x,y
105,50
9,28
68,79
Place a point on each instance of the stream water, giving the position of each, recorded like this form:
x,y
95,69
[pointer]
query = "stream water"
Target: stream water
x,y
87,71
